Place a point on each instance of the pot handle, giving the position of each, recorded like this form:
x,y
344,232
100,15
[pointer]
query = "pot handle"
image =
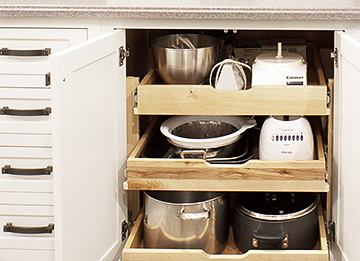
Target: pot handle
x,y
282,237
193,216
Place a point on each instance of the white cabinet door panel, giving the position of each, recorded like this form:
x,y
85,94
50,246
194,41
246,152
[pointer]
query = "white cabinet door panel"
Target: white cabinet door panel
x,y
87,162
346,200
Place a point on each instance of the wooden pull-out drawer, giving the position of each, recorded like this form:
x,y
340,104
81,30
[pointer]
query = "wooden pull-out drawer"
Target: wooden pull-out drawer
x,y
197,174
157,98
134,249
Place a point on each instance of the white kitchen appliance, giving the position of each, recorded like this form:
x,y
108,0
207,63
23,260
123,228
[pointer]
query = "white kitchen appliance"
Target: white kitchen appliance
x,y
279,68
286,138
230,75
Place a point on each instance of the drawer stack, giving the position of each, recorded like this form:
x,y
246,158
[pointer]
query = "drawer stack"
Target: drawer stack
x,y
26,181
156,172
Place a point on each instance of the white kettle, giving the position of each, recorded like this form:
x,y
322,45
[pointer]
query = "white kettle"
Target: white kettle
x,y
286,138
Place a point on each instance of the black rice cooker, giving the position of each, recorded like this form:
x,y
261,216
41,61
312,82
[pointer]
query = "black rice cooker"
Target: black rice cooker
x,y
275,220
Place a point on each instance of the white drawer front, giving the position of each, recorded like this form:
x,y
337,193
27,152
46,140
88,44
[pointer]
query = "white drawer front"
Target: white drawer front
x,y
26,125
23,152
26,210
25,164
25,94
30,198
28,255
25,140
35,243
24,80
24,104
27,222
19,184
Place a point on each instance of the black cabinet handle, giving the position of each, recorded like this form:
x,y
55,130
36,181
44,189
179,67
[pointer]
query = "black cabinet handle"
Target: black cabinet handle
x,y
9,227
7,169
10,52
15,112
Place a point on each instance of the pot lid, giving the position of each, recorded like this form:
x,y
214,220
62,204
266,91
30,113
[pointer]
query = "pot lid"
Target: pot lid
x,y
276,206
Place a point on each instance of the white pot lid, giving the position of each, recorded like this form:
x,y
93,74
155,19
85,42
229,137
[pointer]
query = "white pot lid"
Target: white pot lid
x,y
240,123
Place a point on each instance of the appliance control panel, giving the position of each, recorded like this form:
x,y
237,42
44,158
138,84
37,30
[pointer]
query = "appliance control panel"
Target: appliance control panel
x,y
287,137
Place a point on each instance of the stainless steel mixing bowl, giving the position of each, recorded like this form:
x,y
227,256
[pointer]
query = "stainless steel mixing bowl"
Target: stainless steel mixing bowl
x,y
176,61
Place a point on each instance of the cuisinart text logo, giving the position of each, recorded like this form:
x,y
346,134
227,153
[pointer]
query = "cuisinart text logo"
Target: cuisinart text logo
x,y
286,152
294,77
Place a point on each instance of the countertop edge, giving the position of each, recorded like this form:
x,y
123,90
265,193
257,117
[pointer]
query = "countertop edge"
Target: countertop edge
x,y
177,13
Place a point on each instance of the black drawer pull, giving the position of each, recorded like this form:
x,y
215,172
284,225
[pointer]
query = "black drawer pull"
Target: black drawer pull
x,y
9,227
36,112
7,169
10,52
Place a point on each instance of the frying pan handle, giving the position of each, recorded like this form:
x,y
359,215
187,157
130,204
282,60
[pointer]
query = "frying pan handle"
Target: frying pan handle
x,y
257,237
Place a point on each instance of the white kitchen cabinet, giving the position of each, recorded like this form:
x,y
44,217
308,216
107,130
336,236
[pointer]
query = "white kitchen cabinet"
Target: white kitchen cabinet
x,y
78,85
345,198
87,129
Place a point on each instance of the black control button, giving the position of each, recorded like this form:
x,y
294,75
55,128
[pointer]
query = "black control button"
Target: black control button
x,y
277,137
297,137
285,138
301,137
293,137
281,137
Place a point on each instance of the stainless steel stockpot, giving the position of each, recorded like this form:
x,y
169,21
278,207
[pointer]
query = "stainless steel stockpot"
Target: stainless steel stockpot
x,y
185,219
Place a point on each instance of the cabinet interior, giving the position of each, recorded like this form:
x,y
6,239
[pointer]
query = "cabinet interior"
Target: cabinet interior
x,y
319,46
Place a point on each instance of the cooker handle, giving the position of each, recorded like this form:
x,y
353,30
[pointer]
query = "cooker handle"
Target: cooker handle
x,y
258,237
193,216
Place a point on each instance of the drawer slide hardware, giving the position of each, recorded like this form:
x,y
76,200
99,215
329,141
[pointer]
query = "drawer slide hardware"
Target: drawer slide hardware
x,y
35,112
125,227
10,52
9,227
7,169
122,55
334,55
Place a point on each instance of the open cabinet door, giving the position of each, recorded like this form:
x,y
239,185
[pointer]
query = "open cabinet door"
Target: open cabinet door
x,y
89,143
346,162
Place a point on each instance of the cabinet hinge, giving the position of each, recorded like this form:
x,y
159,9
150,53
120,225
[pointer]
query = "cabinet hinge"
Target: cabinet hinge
x,y
125,228
332,228
122,55
334,55
48,79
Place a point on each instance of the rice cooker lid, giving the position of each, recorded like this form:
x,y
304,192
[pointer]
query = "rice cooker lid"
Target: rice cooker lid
x,y
287,61
276,206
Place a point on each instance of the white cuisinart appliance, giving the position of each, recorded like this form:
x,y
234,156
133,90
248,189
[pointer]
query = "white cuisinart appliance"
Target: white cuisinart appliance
x,y
286,138
279,68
